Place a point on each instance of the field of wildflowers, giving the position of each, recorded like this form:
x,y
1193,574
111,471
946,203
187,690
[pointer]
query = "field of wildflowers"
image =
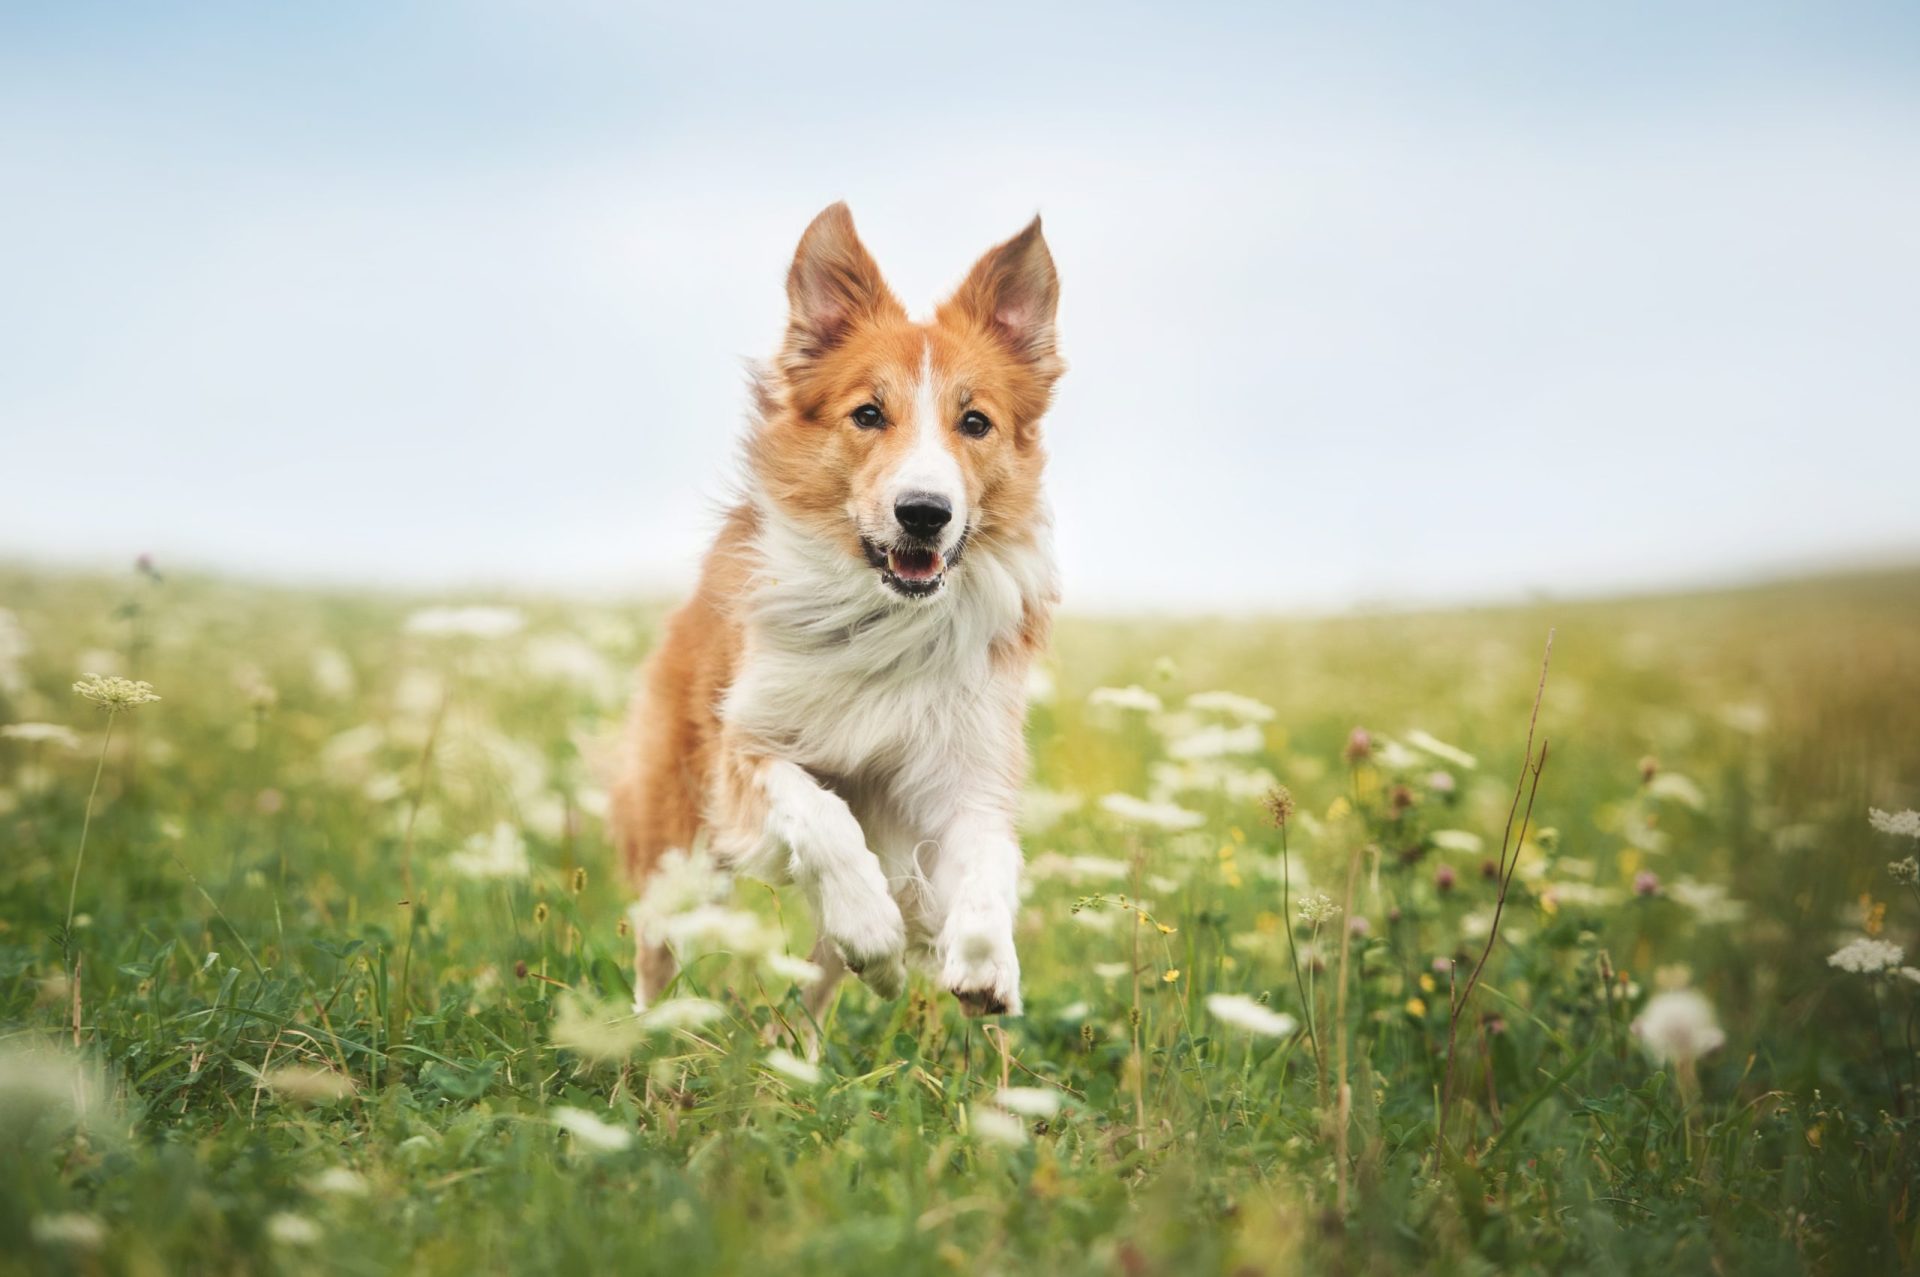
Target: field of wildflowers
x,y
313,956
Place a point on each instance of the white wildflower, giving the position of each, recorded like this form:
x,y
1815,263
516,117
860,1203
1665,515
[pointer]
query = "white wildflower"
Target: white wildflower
x,y
1866,956
590,1134
1139,811
1440,749
332,672
1710,901
68,1230
715,929
682,1013
338,1181
1233,705
799,970
1674,787
681,882
289,1229
1132,697
1910,974
1078,868
500,854
1074,1011
1028,1101
42,734
466,622
1318,908
113,693
1042,809
1905,872
1463,841
1215,741
601,1032
1678,1027
996,1126
792,1067
1112,970
1242,1012
562,658
1901,824
308,1083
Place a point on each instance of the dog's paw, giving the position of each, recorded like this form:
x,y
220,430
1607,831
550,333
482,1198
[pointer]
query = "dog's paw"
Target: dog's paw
x,y
860,919
979,965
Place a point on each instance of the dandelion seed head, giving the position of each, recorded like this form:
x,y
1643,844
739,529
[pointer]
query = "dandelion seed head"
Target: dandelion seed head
x,y
1678,1027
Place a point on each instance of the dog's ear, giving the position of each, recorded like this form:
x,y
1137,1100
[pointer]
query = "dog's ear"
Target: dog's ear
x,y
833,285
1012,292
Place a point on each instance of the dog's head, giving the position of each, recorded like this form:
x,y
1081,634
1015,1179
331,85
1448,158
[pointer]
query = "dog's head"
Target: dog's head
x,y
904,443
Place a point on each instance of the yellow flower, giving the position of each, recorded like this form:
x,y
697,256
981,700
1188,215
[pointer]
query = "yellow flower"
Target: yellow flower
x,y
113,693
1427,982
1417,1008
1338,808
1165,930
1171,976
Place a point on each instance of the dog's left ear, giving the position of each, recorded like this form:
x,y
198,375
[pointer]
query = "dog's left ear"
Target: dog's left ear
x,y
1012,292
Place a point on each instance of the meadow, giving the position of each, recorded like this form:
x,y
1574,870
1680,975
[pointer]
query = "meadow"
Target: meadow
x,y
342,981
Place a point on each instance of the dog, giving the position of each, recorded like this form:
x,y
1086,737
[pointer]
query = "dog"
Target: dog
x,y
841,704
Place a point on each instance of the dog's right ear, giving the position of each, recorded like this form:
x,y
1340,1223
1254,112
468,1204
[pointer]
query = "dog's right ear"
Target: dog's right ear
x,y
833,285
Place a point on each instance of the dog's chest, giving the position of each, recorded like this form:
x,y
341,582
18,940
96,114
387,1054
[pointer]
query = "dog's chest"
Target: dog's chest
x,y
885,702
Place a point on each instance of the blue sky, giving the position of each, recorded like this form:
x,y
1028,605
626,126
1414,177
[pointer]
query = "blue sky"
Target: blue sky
x,y
1386,303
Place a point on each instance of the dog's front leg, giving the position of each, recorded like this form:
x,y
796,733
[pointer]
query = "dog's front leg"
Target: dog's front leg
x,y
802,831
978,884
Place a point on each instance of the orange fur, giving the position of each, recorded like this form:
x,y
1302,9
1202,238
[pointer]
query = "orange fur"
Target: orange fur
x,y
684,768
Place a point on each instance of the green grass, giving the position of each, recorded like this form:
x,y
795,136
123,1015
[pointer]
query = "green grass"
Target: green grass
x,y
249,904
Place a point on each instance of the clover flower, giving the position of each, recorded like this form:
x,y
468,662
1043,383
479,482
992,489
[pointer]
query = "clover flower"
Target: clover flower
x,y
113,693
1866,956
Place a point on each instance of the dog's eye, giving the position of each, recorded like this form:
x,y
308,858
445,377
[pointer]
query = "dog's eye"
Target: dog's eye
x,y
975,425
869,417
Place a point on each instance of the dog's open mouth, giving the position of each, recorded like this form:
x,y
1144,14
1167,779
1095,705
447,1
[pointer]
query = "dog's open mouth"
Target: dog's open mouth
x,y
912,568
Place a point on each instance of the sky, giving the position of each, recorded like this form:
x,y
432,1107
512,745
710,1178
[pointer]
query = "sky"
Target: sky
x,y
1363,304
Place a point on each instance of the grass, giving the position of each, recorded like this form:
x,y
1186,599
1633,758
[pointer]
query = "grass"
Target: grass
x,y
302,1038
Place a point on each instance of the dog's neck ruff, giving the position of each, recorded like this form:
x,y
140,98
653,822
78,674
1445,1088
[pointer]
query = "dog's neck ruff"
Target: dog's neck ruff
x,y
809,596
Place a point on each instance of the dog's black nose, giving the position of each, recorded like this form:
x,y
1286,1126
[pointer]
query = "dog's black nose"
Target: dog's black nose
x,y
923,514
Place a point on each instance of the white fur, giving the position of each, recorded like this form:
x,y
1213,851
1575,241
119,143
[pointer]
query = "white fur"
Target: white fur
x,y
929,465
898,733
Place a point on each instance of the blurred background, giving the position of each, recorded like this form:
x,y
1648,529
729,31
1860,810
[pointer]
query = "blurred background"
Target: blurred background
x,y
1395,304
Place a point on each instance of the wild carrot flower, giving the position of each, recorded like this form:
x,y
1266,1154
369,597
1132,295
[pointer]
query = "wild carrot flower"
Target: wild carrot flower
x,y
1318,908
996,1126
1028,1101
1138,811
1678,1027
1866,957
500,854
1902,824
113,693
1905,871
1233,705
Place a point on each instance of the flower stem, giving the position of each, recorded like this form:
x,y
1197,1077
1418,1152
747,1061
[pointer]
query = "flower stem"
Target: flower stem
x,y
86,823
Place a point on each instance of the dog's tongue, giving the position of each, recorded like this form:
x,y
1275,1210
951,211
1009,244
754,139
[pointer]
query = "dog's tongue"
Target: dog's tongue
x,y
914,565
